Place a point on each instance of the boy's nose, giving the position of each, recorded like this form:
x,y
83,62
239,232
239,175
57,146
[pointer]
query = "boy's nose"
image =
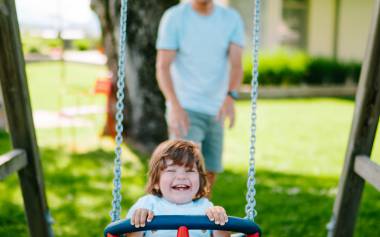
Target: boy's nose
x,y
181,175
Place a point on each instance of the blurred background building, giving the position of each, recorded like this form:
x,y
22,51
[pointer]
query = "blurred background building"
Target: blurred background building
x,y
329,28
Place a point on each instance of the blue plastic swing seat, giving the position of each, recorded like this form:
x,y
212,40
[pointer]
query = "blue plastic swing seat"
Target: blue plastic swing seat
x,y
174,222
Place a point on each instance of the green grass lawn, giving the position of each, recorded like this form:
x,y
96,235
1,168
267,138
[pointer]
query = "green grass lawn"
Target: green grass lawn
x,y
300,149
56,85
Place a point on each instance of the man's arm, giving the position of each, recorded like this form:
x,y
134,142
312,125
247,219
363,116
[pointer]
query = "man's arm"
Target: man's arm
x,y
178,120
163,62
235,53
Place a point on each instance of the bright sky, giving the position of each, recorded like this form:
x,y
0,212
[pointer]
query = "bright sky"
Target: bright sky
x,y
55,13
58,14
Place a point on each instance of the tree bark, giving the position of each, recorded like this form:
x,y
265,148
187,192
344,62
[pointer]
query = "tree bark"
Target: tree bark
x,y
144,115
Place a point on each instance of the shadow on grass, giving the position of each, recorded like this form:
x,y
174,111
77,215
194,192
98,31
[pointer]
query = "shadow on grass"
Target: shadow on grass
x,y
79,188
287,205
293,205
346,98
79,191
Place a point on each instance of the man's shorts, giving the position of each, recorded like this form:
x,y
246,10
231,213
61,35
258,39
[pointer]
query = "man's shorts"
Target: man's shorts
x,y
207,131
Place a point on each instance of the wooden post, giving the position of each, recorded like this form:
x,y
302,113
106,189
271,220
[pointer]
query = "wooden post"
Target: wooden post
x,y
11,162
362,134
368,170
19,113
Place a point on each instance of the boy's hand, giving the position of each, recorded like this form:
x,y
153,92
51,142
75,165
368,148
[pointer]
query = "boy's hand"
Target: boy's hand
x,y
140,216
217,214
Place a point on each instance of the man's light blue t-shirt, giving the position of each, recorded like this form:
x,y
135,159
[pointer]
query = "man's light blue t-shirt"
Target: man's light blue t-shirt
x,y
160,206
200,71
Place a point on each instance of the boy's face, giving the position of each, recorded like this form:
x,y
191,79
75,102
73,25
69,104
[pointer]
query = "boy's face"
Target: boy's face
x,y
179,184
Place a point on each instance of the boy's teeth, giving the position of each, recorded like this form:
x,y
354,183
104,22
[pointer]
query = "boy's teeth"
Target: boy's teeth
x,y
181,187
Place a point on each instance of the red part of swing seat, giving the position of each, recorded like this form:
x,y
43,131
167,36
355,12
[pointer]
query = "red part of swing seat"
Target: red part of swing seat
x,y
254,235
183,231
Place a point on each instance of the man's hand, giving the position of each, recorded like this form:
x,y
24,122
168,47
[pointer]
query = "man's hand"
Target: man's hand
x,y
227,111
178,121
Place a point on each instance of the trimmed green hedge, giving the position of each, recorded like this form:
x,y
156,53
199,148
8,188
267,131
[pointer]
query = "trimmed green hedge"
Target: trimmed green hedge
x,y
39,45
282,67
33,44
86,44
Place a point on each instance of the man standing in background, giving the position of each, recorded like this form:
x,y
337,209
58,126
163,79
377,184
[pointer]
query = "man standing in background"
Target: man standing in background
x,y
199,70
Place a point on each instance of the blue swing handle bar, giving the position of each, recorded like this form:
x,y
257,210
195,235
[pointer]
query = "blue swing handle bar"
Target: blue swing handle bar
x,y
173,222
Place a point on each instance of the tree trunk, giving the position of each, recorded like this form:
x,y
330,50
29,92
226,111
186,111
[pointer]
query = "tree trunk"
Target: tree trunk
x,y
144,115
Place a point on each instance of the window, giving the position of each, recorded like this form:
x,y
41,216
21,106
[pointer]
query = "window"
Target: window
x,y
294,24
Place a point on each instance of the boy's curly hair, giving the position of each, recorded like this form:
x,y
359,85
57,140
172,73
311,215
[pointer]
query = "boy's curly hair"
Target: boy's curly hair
x,y
182,153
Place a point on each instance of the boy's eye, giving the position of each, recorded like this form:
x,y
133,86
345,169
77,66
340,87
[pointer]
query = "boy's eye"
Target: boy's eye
x,y
170,170
191,170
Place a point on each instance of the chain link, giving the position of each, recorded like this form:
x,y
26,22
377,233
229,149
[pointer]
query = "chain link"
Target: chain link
x,y
116,202
251,191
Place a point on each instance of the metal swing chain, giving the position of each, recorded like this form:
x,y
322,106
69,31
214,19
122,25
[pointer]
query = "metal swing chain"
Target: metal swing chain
x,y
251,191
116,202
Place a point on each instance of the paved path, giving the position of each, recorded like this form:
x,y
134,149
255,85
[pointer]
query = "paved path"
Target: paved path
x,y
88,57
68,117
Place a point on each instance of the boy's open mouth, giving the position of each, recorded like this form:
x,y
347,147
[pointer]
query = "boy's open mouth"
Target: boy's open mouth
x,y
181,187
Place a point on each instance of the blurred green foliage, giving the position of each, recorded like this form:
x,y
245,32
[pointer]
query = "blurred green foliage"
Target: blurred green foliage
x,y
33,44
287,67
86,44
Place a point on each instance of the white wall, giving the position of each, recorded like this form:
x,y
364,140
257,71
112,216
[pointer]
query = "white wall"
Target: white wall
x,y
321,27
353,29
272,23
355,21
